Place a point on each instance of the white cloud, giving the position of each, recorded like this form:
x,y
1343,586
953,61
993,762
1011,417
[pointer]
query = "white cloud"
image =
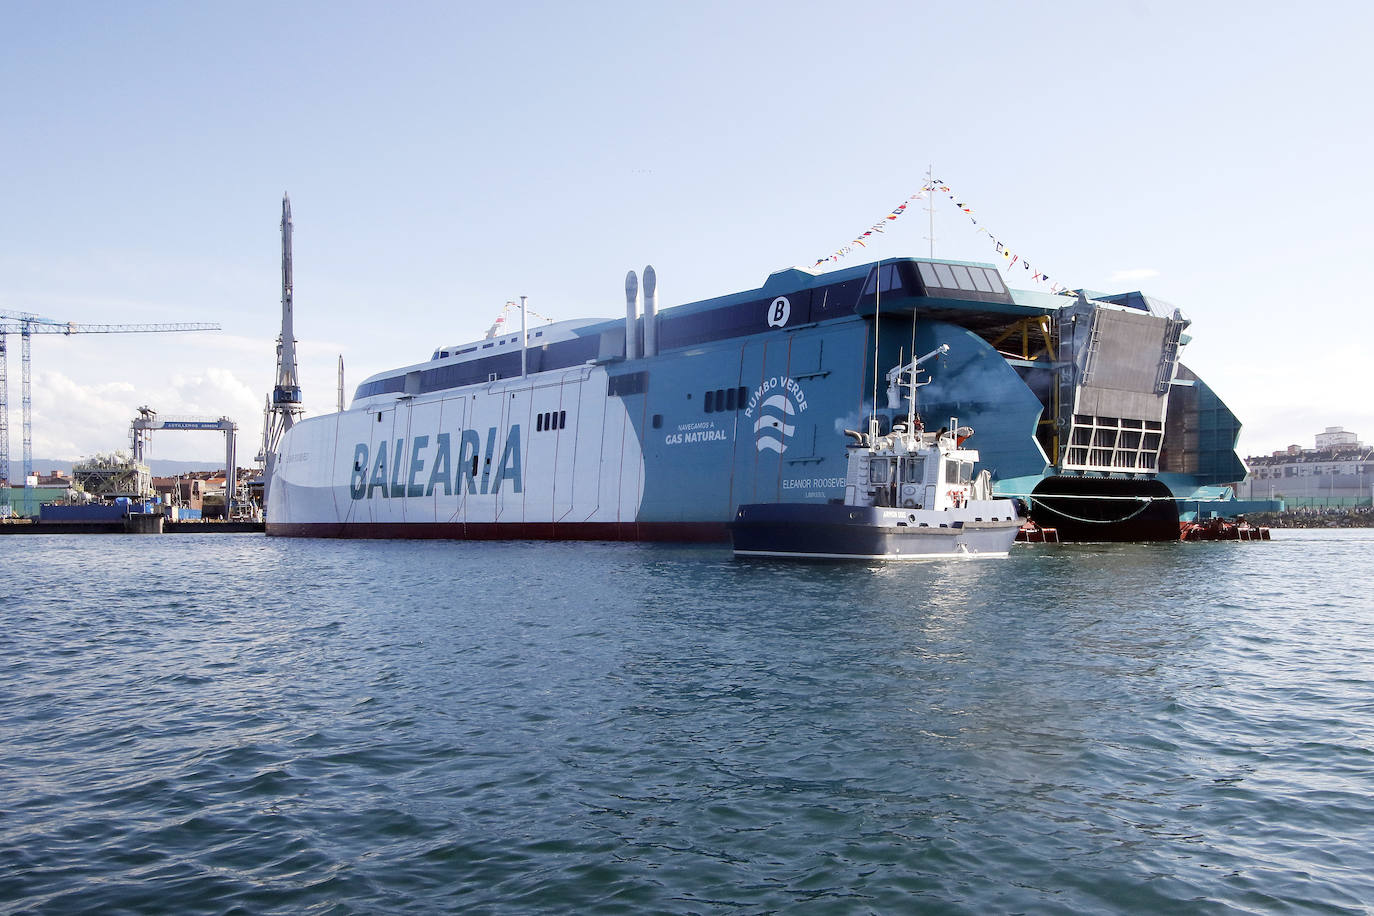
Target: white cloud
x,y
67,417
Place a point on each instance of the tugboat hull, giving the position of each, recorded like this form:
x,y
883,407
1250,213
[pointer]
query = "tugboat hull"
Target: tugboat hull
x,y
839,532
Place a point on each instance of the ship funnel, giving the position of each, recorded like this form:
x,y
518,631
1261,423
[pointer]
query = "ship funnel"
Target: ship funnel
x,y
631,316
650,311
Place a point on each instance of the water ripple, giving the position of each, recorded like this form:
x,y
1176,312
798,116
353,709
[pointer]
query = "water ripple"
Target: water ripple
x,y
215,724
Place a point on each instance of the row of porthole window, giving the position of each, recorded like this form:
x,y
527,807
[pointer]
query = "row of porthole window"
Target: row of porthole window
x,y
725,399
553,419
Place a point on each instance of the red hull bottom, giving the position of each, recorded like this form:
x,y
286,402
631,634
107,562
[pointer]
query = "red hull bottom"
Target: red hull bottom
x,y
688,532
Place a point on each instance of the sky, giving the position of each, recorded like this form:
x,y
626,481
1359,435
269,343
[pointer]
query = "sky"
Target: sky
x,y
443,158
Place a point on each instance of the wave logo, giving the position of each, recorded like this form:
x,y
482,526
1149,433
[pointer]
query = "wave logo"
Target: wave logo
x,y
776,403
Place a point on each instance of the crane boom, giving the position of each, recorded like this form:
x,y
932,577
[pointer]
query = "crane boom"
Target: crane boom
x,y
11,325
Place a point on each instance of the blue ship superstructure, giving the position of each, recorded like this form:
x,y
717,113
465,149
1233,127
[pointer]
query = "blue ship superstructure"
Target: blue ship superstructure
x,y
1081,407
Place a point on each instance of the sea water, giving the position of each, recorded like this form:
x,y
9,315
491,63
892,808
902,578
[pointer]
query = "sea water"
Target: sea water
x,y
233,723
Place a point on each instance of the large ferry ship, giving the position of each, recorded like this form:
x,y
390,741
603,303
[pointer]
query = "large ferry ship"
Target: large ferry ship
x,y
659,426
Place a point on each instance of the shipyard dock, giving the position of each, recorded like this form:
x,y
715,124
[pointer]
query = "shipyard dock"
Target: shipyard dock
x,y
128,526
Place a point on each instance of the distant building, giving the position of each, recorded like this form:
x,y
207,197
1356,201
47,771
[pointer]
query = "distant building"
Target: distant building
x,y
1336,437
181,491
24,501
1338,472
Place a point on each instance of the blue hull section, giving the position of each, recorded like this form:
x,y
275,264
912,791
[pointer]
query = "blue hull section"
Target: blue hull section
x,y
779,437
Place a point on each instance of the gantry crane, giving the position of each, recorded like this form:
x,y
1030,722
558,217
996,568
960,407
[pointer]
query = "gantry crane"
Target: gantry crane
x,y
26,325
141,431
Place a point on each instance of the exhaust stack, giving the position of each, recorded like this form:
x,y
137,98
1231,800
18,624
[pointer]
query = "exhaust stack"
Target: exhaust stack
x,y
631,316
650,311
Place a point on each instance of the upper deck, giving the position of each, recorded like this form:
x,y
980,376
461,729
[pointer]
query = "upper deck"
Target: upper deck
x,y
966,293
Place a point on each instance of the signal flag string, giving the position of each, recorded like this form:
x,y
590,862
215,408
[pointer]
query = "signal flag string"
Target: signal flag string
x,y
938,187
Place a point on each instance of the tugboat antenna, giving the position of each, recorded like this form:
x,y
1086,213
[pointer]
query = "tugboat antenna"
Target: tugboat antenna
x,y
877,310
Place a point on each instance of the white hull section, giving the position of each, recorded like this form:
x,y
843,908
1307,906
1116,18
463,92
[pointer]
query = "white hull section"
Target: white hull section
x,y
548,449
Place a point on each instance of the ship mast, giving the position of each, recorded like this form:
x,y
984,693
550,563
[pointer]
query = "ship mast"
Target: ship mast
x,y
284,407
930,206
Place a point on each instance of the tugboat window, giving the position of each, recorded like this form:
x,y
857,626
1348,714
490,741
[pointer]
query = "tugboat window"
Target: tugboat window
x,y
878,470
915,470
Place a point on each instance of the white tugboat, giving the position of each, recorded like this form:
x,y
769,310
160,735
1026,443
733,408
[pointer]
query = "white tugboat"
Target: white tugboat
x,y
909,494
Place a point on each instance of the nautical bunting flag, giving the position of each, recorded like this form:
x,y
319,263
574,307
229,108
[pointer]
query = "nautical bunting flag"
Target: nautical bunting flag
x,y
932,187
879,226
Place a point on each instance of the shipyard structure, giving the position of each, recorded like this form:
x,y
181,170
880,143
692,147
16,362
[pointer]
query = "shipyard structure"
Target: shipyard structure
x,y
660,425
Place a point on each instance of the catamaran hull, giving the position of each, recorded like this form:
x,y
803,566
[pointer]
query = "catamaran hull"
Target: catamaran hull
x,y
738,407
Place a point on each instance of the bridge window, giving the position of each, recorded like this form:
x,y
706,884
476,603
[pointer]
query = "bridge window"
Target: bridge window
x,y
885,279
965,278
961,277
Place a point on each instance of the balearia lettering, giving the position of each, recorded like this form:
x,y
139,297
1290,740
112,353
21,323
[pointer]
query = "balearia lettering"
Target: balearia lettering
x,y
449,463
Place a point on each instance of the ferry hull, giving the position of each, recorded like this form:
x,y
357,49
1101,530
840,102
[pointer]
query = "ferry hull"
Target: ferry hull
x,y
679,532
1105,509
742,403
